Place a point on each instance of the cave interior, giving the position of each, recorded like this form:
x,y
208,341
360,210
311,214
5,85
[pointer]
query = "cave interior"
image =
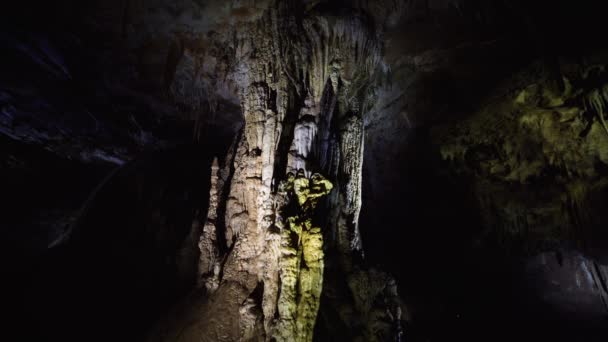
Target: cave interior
x,y
304,170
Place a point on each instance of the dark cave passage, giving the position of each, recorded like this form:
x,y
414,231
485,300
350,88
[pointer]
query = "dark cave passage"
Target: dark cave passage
x,y
128,258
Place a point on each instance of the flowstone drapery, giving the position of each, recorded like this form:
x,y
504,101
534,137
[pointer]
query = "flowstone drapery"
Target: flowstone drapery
x,y
304,78
301,265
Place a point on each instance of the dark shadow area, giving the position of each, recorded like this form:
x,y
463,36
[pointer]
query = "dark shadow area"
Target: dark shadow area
x,y
128,259
458,284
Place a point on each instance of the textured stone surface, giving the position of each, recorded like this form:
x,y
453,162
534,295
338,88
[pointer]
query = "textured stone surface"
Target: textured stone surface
x,y
531,135
302,259
461,188
303,83
535,156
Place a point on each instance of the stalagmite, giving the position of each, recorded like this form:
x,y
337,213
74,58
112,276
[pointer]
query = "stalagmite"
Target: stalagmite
x,y
208,266
301,273
301,82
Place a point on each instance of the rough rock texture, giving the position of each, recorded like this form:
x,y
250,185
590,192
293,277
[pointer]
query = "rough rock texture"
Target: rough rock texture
x,y
347,137
209,263
535,154
303,82
448,218
539,155
302,260
571,282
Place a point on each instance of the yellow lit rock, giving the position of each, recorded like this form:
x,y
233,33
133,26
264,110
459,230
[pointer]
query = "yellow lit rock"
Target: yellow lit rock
x,y
301,263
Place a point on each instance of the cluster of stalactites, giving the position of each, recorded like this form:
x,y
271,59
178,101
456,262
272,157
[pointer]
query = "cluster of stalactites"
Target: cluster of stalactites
x,y
306,51
293,76
347,48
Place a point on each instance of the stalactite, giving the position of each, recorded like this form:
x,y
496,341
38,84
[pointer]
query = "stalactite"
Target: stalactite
x,y
596,101
351,170
301,81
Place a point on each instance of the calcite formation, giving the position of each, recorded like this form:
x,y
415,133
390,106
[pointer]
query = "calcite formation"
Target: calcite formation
x,y
208,265
303,82
301,265
532,134
289,97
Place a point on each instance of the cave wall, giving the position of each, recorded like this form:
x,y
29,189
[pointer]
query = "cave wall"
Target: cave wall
x,y
435,211
538,161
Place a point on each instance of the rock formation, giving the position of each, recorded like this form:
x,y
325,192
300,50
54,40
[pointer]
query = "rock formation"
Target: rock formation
x,y
303,83
532,134
301,261
299,170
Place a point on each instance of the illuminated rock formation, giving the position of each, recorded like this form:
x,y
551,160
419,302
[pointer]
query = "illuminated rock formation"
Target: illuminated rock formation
x,y
303,82
301,265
